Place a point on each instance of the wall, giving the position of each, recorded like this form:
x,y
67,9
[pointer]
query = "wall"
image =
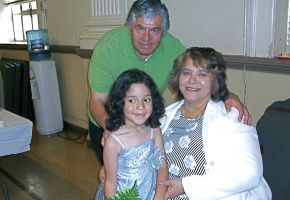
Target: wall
x,y
72,73
281,29
194,22
220,25
66,20
198,24
262,89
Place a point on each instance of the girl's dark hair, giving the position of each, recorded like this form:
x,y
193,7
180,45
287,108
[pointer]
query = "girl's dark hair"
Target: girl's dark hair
x,y
116,99
209,59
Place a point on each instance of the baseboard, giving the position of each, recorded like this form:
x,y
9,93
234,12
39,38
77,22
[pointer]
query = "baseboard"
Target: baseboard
x,y
89,144
74,128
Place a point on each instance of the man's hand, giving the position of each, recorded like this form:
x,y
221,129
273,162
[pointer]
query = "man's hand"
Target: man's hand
x,y
105,135
97,108
102,175
234,101
174,188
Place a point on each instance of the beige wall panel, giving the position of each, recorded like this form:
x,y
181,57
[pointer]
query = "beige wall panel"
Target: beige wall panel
x,y
72,83
262,89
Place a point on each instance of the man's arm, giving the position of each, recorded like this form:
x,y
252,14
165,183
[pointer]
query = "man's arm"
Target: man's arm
x,y
98,111
234,101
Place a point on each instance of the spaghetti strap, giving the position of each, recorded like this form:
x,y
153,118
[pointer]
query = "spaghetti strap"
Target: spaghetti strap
x,y
152,133
117,139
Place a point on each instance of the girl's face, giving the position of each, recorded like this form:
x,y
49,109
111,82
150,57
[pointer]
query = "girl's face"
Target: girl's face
x,y
195,83
138,105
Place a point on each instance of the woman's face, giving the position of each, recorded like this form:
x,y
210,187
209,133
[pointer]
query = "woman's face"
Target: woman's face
x,y
195,83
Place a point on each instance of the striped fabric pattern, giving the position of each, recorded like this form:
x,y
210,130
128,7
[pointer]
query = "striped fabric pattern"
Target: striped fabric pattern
x,y
184,138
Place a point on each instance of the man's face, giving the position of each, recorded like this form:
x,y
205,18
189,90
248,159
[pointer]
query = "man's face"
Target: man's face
x,y
146,35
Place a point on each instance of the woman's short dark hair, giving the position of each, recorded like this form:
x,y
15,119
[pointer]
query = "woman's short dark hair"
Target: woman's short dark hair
x,y
209,59
149,9
116,99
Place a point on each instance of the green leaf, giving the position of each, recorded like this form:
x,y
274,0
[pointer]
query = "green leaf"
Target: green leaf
x,y
130,194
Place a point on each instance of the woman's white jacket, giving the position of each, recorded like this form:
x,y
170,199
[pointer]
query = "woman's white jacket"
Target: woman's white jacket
x,y
234,167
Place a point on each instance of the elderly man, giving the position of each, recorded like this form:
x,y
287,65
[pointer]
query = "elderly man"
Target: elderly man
x,y
143,43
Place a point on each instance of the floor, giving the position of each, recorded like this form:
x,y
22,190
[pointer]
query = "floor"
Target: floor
x,y
58,167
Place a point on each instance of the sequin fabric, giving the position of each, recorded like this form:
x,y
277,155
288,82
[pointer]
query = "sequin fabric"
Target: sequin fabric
x,y
139,163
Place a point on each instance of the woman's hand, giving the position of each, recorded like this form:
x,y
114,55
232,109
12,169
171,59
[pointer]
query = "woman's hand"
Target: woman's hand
x,y
234,101
174,188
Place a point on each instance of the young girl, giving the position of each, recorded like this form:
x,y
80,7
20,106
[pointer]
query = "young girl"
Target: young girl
x,y
133,151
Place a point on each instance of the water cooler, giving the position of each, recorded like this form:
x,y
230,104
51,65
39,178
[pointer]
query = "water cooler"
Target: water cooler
x,y
44,84
45,96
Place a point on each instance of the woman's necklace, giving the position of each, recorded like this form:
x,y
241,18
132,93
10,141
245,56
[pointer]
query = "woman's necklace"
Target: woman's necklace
x,y
191,121
190,115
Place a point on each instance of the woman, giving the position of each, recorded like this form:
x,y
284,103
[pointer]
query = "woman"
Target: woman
x,y
210,154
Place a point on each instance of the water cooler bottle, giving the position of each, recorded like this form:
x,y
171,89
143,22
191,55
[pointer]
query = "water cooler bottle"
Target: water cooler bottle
x,y
45,96
44,83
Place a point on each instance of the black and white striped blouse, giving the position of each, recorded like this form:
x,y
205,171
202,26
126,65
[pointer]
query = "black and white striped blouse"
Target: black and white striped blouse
x,y
184,148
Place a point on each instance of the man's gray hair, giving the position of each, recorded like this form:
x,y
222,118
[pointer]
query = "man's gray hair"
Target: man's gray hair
x,y
149,9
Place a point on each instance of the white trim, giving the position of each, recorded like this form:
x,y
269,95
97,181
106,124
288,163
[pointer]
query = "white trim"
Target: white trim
x,y
97,26
288,29
250,26
260,27
106,14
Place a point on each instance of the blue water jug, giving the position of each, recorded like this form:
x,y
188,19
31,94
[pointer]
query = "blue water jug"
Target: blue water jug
x,y
38,45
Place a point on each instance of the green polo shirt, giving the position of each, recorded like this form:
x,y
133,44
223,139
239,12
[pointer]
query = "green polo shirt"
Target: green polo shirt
x,y
115,53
